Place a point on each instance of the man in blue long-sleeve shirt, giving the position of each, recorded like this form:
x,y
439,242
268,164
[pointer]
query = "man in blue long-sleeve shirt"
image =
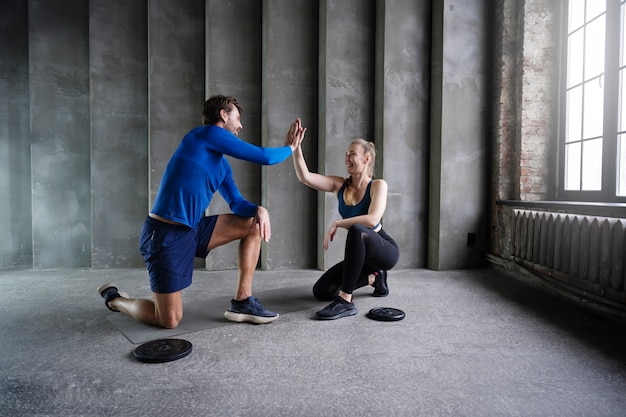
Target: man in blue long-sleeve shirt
x,y
176,229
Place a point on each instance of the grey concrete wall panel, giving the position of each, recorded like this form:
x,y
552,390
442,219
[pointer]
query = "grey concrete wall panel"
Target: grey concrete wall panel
x,y
346,103
15,184
233,68
290,67
176,78
59,106
402,122
458,143
118,50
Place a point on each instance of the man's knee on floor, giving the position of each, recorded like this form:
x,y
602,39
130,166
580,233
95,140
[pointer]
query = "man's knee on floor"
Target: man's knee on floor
x,y
170,321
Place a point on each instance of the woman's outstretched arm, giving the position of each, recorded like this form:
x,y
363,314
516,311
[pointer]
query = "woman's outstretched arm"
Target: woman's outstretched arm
x,y
328,183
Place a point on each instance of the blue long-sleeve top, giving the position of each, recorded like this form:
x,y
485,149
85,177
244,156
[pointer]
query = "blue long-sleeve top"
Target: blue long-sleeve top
x,y
198,169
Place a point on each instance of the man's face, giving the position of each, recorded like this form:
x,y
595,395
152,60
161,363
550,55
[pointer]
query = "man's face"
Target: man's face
x,y
232,120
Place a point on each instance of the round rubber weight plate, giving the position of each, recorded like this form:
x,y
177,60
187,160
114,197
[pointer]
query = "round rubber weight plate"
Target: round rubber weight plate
x,y
163,350
385,314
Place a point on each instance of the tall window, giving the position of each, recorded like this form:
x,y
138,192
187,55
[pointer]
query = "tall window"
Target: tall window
x,y
593,149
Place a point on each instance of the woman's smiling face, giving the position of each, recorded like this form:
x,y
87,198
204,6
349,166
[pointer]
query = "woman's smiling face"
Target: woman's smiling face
x,y
356,159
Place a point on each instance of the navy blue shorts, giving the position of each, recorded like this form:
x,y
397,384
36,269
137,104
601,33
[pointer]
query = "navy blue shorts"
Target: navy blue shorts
x,y
169,251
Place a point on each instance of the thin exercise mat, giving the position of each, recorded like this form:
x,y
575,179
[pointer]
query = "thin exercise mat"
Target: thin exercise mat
x,y
209,313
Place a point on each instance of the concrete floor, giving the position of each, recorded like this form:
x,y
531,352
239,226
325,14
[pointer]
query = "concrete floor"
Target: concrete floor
x,y
473,343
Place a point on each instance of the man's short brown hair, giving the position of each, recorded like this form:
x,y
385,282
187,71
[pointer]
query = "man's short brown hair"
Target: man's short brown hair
x,y
214,105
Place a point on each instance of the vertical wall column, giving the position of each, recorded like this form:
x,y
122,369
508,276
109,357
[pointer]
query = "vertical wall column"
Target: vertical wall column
x,y
458,157
15,184
289,86
233,68
346,99
504,129
402,125
59,107
176,80
118,50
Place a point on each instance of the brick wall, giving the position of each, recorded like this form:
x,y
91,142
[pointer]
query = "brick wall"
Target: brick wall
x,y
525,96
538,100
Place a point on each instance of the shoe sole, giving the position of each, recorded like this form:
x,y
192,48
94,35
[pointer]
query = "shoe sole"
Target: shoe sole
x,y
338,316
105,286
248,318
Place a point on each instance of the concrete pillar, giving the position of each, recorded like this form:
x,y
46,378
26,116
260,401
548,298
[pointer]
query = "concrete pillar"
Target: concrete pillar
x,y
59,108
402,124
15,183
289,83
458,142
118,51
15,223
176,80
346,103
233,68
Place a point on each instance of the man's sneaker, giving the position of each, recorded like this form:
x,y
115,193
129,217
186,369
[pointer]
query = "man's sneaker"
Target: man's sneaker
x,y
109,292
336,310
249,310
381,289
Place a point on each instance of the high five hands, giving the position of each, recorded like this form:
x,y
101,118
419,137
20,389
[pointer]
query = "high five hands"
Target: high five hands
x,y
295,135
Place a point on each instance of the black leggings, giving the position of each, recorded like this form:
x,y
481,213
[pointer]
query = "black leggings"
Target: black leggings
x,y
366,252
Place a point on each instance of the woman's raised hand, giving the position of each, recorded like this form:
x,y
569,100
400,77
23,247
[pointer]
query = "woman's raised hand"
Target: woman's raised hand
x,y
295,135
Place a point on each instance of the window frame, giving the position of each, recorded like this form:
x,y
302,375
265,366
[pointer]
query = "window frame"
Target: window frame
x,y
608,192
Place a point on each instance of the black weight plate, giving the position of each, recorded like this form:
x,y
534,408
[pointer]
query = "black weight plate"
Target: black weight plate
x,y
163,350
386,314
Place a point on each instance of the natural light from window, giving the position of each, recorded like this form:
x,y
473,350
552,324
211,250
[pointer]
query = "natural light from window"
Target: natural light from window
x,y
585,95
621,128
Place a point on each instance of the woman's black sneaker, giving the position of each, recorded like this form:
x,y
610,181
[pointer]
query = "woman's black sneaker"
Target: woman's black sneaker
x,y
380,284
336,310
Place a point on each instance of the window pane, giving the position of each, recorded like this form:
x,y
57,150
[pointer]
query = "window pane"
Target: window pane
x,y
593,116
594,8
572,166
594,48
621,165
592,165
623,48
574,114
576,14
575,58
621,117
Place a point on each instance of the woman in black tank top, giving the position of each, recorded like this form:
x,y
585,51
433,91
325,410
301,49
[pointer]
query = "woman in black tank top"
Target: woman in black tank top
x,y
369,250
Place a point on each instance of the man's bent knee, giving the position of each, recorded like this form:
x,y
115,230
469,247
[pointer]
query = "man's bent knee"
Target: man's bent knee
x,y
254,230
230,227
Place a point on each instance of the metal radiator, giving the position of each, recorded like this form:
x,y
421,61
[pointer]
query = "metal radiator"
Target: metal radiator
x,y
580,250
